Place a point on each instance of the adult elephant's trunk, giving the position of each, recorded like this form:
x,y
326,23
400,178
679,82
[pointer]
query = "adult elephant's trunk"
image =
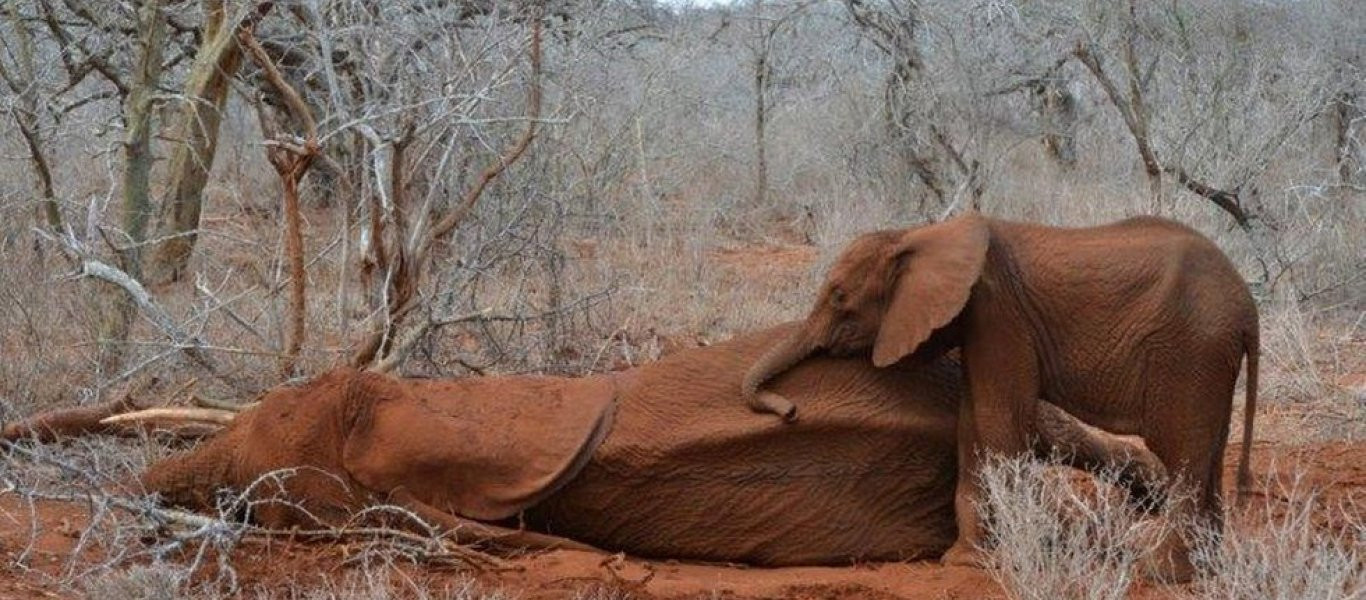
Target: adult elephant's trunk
x,y
191,478
781,357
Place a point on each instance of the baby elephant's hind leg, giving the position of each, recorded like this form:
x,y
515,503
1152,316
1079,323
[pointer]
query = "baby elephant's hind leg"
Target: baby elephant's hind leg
x,y
1137,469
1187,429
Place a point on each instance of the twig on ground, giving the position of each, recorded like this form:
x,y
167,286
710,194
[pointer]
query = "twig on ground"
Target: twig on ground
x,y
222,404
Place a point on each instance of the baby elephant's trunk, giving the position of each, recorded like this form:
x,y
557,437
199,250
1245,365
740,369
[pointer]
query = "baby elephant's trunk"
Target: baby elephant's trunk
x,y
781,357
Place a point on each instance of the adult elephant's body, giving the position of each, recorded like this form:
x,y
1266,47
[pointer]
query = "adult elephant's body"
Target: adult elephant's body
x,y
866,474
661,460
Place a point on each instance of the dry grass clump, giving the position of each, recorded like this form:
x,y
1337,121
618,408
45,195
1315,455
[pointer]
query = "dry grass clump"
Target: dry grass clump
x,y
170,581
1276,552
385,584
157,581
1052,537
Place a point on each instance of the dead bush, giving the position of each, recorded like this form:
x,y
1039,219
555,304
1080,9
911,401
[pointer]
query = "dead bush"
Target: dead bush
x,y
1054,535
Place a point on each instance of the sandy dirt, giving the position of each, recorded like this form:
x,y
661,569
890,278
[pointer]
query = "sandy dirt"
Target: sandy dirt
x,y
1338,469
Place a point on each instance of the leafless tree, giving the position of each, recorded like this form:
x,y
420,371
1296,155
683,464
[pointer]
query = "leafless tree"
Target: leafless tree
x,y
463,195
765,27
19,69
896,28
196,125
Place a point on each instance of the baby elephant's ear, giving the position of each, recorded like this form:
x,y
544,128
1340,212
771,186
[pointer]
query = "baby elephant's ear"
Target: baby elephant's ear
x,y
936,268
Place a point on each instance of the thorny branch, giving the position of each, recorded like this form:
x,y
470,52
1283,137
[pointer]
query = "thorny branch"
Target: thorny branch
x,y
407,260
190,345
394,529
1131,110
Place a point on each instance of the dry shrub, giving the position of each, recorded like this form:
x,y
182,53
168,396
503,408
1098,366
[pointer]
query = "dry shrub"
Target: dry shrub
x,y
384,584
1277,552
1309,360
1051,535
157,581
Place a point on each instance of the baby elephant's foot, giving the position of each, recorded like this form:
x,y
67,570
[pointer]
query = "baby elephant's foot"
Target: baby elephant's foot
x,y
964,554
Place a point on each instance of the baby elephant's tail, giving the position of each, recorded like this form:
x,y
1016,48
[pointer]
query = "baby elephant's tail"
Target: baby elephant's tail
x,y
1252,348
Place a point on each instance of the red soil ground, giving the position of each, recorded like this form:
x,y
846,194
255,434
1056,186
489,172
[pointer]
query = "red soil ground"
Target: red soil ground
x,y
1337,468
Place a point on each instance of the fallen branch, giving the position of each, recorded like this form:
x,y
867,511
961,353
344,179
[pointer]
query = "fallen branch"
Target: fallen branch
x,y
222,404
191,346
427,549
427,543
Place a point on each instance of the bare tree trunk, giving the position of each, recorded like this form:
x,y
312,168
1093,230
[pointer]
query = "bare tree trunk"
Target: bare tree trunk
x,y
137,146
117,311
294,249
196,126
291,162
23,85
894,28
48,210
901,125
1349,116
760,135
1243,208
760,110
1131,110
1138,112
407,259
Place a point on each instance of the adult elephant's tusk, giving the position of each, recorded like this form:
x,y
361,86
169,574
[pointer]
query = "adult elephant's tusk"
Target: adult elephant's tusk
x,y
196,415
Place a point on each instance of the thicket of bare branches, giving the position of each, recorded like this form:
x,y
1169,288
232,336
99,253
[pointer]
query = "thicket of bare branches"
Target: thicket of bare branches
x,y
478,186
270,188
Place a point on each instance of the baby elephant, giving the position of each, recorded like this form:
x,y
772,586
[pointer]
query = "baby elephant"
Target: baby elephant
x,y
1138,327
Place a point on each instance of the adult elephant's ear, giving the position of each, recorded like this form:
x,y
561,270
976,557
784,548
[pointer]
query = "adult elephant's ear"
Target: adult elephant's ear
x,y
485,448
935,269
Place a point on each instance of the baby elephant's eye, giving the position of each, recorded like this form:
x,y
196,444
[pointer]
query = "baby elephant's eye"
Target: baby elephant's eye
x,y
837,297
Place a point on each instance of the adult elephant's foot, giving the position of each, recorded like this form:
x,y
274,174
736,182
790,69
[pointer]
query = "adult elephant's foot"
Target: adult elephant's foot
x,y
965,554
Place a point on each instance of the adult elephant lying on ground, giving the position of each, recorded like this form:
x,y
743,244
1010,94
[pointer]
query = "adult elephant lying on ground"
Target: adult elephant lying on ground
x,y
661,461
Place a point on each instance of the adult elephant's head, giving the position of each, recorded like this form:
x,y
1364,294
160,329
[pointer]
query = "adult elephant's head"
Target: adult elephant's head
x,y
295,434
477,448
888,291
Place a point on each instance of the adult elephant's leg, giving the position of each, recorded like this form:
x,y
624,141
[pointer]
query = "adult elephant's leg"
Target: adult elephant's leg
x,y
467,531
995,420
